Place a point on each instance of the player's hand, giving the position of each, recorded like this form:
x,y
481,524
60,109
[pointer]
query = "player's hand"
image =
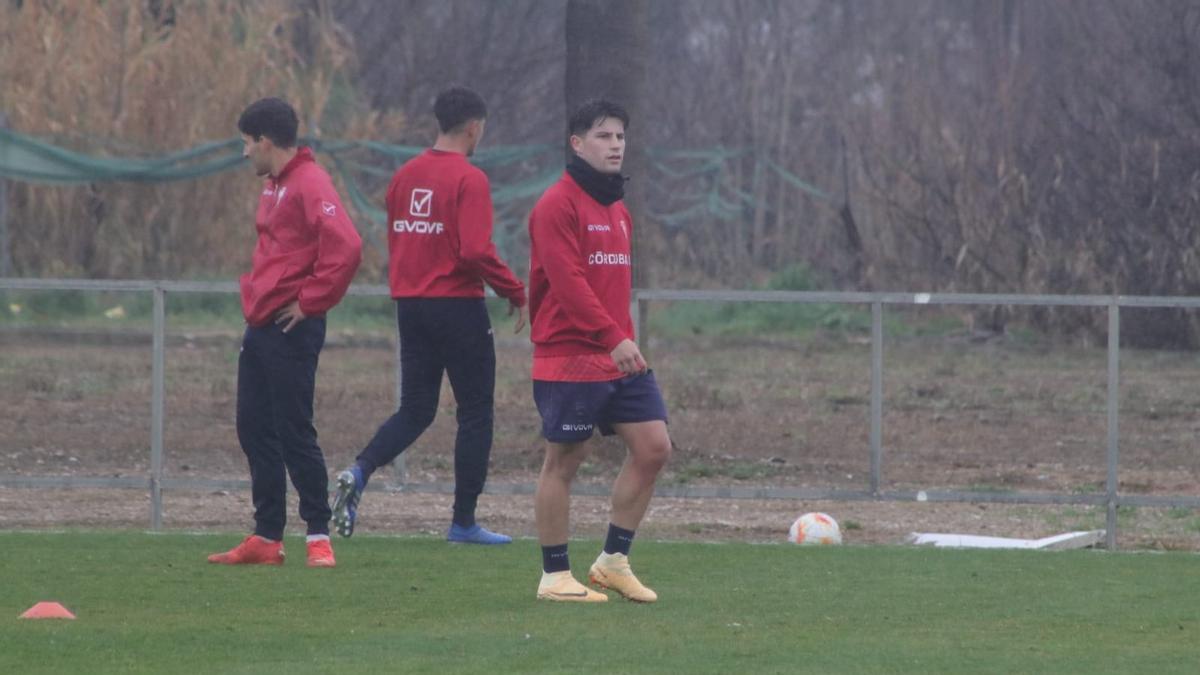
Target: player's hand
x,y
628,358
290,314
519,324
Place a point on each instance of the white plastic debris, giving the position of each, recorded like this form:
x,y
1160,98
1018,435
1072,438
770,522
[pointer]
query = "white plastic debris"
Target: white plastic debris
x,y
1057,542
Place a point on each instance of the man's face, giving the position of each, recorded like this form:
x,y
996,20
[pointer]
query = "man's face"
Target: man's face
x,y
603,146
259,153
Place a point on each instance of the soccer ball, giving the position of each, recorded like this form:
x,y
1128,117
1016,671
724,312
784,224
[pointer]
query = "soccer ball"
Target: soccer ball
x,y
815,528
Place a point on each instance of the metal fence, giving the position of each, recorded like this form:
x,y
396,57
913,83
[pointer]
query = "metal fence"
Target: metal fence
x,y
1111,499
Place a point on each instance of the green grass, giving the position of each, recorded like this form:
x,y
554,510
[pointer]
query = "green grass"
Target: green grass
x,y
149,603
683,319
184,311
734,470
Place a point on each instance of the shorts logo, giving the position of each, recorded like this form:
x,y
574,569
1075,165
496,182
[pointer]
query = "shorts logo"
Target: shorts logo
x,y
599,228
420,202
279,195
576,427
328,208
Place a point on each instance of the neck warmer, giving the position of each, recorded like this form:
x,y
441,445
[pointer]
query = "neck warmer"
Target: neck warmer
x,y
605,188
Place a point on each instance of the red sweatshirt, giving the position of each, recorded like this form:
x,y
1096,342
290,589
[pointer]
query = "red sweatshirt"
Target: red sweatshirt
x,y
307,247
580,277
440,241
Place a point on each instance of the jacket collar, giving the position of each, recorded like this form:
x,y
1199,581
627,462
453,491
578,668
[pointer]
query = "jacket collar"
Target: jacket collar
x,y
303,155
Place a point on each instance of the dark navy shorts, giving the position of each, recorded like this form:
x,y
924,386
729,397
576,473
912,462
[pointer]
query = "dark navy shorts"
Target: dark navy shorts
x,y
571,411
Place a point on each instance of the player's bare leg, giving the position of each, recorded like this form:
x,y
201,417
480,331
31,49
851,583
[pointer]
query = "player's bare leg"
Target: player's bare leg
x,y
649,448
552,503
551,508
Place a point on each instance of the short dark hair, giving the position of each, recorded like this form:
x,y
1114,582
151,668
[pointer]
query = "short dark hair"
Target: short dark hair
x,y
271,117
457,106
593,112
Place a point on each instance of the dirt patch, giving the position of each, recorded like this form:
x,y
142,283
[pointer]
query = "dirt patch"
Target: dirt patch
x,y
958,415
668,519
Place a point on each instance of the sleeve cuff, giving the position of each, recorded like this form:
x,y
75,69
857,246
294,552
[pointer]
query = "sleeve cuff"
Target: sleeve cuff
x,y
611,337
308,307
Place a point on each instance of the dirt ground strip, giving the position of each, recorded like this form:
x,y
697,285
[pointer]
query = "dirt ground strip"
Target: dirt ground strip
x,y
673,519
998,416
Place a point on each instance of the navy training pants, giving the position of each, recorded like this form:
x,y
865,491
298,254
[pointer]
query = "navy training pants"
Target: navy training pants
x,y
277,375
454,336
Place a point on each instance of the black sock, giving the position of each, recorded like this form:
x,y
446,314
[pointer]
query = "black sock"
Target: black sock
x,y
618,541
554,559
464,509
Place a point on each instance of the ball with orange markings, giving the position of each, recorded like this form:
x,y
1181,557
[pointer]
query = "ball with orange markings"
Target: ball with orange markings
x,y
815,529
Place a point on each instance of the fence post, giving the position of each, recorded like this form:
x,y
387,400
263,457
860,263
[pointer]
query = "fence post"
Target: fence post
x,y
876,395
1114,394
635,309
5,245
157,406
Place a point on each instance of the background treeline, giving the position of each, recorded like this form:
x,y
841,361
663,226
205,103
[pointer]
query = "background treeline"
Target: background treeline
x,y
961,145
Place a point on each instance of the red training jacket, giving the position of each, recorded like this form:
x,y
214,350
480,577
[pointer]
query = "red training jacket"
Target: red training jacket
x,y
307,247
580,273
440,245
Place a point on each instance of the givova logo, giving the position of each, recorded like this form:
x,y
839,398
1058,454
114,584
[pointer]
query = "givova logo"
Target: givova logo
x,y
417,226
576,427
420,202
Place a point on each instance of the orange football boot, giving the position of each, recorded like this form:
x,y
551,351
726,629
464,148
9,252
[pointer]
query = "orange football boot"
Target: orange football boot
x,y
320,554
254,550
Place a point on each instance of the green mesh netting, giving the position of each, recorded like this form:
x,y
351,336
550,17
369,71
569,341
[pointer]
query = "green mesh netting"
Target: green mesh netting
x,y
702,187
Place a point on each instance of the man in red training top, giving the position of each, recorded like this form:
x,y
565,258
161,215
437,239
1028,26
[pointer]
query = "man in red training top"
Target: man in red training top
x,y
440,255
588,372
306,255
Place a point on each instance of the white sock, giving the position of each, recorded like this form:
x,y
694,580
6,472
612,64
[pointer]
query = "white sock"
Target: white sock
x,y
316,537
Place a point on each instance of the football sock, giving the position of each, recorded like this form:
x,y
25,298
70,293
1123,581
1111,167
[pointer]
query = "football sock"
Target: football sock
x,y
618,541
464,509
554,559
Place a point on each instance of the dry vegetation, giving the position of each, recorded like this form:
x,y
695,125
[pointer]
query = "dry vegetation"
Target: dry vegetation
x,y
1011,146
146,78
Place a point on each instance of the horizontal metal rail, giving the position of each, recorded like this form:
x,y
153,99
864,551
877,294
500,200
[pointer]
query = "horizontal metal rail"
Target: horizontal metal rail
x,y
134,285
803,297
850,298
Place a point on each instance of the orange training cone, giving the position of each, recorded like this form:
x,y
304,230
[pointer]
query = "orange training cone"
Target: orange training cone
x,y
47,610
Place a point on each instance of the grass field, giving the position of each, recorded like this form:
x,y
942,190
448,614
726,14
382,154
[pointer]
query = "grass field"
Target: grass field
x,y
149,603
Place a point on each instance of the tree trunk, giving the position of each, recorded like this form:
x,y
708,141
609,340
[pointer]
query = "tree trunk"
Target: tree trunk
x,y
5,252
606,47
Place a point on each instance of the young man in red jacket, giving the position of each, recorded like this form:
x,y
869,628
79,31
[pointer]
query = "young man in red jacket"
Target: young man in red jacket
x,y
440,255
306,255
588,372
